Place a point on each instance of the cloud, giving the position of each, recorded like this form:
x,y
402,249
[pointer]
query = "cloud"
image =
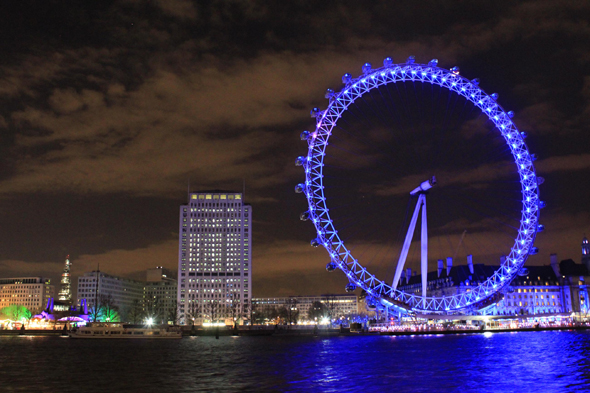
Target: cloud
x,y
65,101
563,235
18,268
129,262
573,162
287,255
476,177
213,123
178,8
100,135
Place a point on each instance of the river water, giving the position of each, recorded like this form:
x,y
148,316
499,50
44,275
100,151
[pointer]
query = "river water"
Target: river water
x,y
490,362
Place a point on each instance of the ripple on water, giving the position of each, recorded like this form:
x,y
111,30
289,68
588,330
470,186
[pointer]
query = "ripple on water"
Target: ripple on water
x,y
499,362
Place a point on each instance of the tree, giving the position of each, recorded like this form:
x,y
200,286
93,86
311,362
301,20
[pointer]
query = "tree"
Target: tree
x,y
194,311
271,315
330,305
110,311
292,311
212,310
135,314
317,311
94,313
282,315
16,312
152,308
105,310
256,316
173,313
246,314
234,309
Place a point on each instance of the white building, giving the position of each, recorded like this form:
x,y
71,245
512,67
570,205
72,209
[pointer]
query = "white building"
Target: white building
x,y
536,290
214,256
123,291
338,305
31,292
159,296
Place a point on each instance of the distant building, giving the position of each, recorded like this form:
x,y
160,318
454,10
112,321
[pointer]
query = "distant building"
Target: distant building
x,y
586,253
65,289
448,280
159,295
536,290
97,286
31,292
160,273
338,305
214,257
576,278
154,298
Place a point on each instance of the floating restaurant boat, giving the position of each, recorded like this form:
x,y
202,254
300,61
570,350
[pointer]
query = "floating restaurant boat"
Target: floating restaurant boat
x,y
117,330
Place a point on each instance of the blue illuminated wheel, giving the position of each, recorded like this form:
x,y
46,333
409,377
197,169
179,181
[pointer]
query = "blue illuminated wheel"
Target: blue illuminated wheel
x,y
369,87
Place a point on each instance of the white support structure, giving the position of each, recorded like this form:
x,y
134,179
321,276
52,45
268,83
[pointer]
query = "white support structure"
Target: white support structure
x,y
421,203
424,245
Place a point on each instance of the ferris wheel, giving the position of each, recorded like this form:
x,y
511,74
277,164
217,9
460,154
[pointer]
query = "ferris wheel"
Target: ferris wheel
x,y
395,132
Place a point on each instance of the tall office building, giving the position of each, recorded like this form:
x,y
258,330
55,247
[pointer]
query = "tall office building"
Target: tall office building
x,y
214,257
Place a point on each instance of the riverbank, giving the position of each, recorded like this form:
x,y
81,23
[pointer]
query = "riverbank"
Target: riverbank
x,y
480,331
31,332
321,332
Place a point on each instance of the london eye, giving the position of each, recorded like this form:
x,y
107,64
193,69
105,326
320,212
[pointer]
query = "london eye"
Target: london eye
x,y
402,137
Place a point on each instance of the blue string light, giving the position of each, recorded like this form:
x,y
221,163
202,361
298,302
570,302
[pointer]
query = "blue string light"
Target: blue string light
x,y
318,211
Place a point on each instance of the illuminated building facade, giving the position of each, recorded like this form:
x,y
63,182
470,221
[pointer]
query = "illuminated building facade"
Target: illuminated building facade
x,y
31,292
537,290
557,288
65,289
338,305
98,286
214,256
159,295
576,277
448,280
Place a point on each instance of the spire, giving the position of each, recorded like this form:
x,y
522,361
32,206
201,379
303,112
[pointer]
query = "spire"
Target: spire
x,y
65,290
586,252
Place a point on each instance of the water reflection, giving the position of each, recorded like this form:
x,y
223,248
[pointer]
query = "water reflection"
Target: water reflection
x,y
496,362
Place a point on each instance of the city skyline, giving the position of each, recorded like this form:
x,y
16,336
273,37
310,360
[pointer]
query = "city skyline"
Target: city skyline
x,y
110,113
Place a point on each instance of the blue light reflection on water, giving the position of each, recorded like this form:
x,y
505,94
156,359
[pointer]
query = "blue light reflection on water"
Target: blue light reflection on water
x,y
499,362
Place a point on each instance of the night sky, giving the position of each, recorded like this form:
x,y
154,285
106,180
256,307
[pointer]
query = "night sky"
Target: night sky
x,y
110,109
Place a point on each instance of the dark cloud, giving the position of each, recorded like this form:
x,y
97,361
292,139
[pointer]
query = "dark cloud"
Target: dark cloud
x,y
131,99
